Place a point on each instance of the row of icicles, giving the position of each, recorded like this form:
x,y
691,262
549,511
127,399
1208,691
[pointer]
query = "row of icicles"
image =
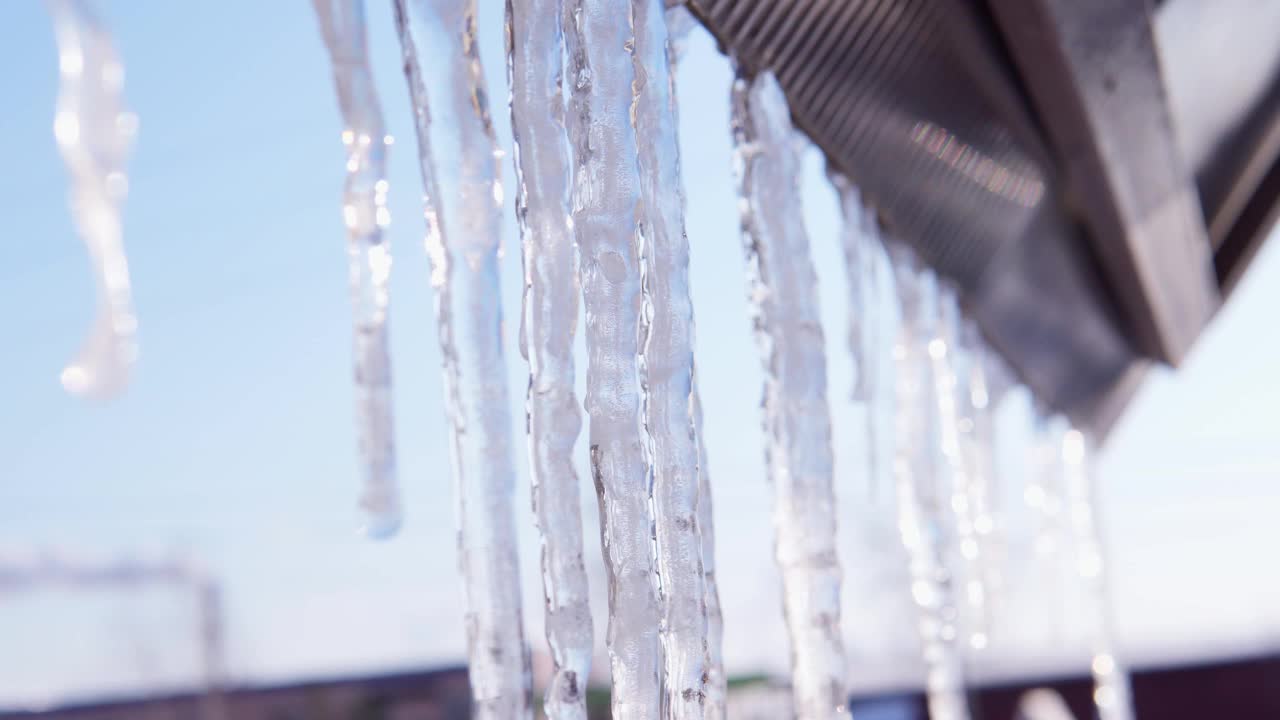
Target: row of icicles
x,y
598,175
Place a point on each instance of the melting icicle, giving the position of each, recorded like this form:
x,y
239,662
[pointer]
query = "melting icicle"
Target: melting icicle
x,y
859,258
717,682
1043,496
953,424
666,363
783,290
1043,493
95,132
364,211
978,423
606,218
680,23
862,247
458,158
1111,694
535,47
920,519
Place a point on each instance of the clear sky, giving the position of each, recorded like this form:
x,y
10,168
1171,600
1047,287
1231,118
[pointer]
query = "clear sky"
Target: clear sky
x,y
235,443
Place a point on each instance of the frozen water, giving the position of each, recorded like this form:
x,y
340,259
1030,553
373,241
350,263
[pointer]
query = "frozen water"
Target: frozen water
x,y
607,216
782,287
921,518
95,132
458,158
364,211
1111,694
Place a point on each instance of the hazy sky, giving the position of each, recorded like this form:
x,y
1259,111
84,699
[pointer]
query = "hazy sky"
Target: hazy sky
x,y
236,441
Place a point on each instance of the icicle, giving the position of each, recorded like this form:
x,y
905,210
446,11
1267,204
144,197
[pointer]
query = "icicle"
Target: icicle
x,y
783,292
862,248
1111,694
979,442
717,682
1043,493
535,48
364,211
458,158
859,262
954,423
680,23
666,364
95,132
606,219
920,519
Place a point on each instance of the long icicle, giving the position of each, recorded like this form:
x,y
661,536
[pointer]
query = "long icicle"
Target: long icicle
x,y
606,218
364,211
717,681
954,424
679,24
859,261
861,244
919,516
1044,496
783,290
95,132
543,164
666,359
458,157
977,410
1111,695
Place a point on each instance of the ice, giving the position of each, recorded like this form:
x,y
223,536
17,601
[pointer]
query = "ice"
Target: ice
x,y
680,23
95,131
978,438
666,363
921,517
860,240
458,158
782,288
365,214
535,48
1111,695
955,424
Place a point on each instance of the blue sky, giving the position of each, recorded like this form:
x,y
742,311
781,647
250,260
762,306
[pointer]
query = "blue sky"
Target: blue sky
x,y
235,443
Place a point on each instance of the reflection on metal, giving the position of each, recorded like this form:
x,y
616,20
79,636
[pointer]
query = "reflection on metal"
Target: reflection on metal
x,y
1092,70
1028,151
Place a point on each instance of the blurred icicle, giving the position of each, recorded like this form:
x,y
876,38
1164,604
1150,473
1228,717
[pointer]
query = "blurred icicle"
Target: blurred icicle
x,y
978,437
955,422
717,681
1043,491
866,336
543,166
921,519
1111,695
365,214
458,158
680,22
782,287
95,132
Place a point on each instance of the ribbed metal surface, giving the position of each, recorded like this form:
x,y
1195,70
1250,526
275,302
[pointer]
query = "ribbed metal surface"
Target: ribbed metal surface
x,y
915,101
894,93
